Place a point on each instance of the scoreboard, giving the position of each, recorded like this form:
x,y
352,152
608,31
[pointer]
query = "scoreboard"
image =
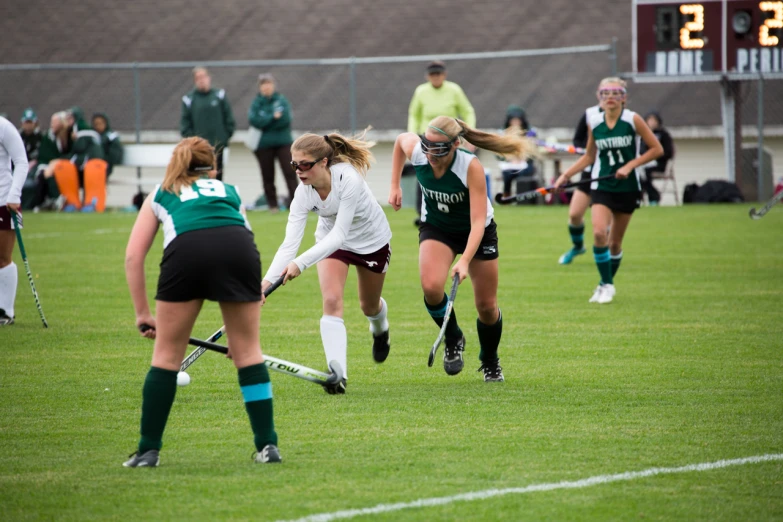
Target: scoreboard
x,y
711,36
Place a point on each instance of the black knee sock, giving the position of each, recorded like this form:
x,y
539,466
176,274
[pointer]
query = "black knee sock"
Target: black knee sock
x,y
158,393
489,339
257,392
438,311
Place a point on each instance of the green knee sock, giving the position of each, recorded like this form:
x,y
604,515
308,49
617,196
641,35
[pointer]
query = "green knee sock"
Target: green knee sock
x,y
438,311
616,262
604,263
489,339
158,393
257,392
577,236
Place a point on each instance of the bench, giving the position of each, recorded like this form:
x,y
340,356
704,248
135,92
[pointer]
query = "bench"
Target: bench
x,y
151,155
142,155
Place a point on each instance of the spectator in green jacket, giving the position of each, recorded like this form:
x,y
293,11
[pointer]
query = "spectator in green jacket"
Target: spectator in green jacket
x,y
271,113
110,140
206,113
56,146
31,137
86,169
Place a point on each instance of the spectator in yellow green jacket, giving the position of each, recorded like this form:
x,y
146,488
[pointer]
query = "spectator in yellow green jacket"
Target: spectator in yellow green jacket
x,y
438,97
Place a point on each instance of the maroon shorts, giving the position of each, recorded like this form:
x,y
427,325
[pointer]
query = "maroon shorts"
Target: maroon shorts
x,y
5,219
377,261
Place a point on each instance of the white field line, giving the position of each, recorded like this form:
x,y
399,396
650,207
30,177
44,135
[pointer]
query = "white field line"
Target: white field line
x,y
43,235
576,484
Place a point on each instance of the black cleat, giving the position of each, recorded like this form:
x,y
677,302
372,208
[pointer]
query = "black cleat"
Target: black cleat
x,y
452,356
5,319
148,459
380,346
335,388
492,372
268,455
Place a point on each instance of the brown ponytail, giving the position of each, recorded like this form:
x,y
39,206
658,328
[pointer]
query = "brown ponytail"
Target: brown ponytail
x,y
337,149
191,159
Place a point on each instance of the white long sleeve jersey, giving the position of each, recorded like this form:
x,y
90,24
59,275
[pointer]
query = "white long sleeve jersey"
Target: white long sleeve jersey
x,y
11,149
349,219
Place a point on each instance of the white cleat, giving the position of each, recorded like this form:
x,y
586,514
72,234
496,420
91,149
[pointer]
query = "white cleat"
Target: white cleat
x,y
596,294
607,294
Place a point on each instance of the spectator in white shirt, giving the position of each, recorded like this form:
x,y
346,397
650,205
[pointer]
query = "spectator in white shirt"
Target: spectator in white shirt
x,y
352,230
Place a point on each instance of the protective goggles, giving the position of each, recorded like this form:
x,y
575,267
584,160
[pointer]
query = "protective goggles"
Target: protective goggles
x,y
436,149
611,93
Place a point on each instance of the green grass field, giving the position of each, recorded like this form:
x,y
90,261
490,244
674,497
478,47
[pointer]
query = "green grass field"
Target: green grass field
x,y
684,367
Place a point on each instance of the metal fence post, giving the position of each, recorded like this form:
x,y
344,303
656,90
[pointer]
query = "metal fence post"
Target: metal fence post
x,y
137,124
352,95
760,161
613,57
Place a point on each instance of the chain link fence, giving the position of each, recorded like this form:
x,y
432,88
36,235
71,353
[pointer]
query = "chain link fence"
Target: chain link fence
x,y
344,94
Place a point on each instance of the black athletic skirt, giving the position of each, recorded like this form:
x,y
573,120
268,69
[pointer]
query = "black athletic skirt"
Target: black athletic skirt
x,y
625,202
218,264
488,248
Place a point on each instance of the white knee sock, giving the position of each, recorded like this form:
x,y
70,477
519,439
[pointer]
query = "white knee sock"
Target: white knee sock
x,y
379,323
335,340
8,279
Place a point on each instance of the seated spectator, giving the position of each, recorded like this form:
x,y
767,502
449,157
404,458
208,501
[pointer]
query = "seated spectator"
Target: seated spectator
x,y
56,146
87,168
512,167
655,122
31,136
110,141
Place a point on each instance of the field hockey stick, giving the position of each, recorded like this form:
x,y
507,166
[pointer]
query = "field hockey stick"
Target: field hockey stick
x,y
543,191
771,203
15,219
446,317
198,352
559,147
282,366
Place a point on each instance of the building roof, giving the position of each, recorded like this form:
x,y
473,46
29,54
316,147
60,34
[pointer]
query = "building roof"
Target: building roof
x,y
553,90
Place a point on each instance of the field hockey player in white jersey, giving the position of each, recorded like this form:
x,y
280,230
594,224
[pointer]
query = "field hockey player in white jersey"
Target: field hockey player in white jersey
x,y
613,148
457,218
208,253
352,230
11,182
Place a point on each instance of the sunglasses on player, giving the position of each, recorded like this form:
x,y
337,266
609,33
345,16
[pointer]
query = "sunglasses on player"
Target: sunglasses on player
x,y
437,149
611,93
304,166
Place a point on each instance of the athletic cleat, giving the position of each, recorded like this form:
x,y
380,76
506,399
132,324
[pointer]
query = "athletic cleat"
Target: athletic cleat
x,y
492,372
452,356
380,346
569,256
607,294
596,294
148,459
5,319
336,388
268,455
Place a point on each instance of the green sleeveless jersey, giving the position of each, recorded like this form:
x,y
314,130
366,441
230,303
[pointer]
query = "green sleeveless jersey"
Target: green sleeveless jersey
x,y
445,202
207,203
616,147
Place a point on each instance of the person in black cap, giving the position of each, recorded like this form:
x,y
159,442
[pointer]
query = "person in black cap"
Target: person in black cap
x,y
655,122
